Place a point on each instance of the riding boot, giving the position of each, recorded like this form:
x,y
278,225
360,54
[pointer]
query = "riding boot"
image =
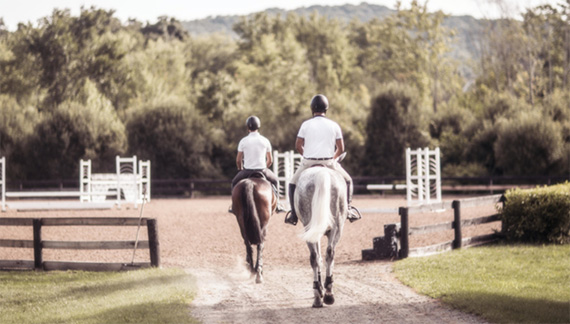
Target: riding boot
x,y
353,213
279,208
291,217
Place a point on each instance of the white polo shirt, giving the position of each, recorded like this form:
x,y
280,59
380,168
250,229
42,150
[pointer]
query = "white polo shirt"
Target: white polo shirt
x,y
254,147
320,135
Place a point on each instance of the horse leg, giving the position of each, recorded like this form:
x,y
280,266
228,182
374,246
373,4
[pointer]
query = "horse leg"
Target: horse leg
x,y
333,239
249,256
259,264
316,261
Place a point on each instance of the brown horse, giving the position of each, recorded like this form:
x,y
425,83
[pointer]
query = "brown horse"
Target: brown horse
x,y
253,202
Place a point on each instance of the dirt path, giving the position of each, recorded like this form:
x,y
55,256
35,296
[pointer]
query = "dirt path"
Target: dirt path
x,y
365,293
200,236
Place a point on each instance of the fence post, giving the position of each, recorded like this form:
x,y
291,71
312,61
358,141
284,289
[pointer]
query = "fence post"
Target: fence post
x,y
404,243
457,242
503,224
38,260
191,188
153,242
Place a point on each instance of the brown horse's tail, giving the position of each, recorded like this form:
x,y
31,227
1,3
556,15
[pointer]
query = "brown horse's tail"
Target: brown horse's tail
x,y
250,215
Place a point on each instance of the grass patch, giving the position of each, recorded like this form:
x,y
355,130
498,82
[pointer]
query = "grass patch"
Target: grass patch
x,y
142,296
503,284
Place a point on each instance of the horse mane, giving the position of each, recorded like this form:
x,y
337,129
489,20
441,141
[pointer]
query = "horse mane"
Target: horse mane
x,y
250,215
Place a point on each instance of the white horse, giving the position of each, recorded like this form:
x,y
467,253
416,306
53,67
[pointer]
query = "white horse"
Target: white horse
x,y
320,202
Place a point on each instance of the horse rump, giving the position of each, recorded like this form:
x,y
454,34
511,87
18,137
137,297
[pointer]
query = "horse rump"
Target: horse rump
x,y
250,214
321,218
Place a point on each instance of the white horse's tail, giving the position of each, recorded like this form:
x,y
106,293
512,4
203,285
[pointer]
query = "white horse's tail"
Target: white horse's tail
x,y
321,218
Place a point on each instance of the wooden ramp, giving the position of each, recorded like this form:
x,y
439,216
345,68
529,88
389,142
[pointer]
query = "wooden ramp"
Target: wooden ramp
x,y
57,205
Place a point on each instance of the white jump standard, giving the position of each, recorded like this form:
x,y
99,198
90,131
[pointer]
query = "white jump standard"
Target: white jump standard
x,y
423,177
93,188
284,166
134,186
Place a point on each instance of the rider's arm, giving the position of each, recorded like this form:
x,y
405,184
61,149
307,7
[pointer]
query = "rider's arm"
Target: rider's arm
x,y
339,148
269,159
299,143
239,160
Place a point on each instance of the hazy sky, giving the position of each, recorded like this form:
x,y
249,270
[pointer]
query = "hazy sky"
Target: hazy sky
x,y
15,11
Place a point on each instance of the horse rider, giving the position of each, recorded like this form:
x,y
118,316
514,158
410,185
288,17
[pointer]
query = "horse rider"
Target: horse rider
x,y
320,142
254,156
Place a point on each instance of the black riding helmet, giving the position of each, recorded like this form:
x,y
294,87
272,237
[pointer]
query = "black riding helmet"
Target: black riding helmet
x,y
319,103
253,123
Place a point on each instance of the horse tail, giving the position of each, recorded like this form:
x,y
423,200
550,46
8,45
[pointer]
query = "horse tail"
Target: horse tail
x,y
321,218
250,215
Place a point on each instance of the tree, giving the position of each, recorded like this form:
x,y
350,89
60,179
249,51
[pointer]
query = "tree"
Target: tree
x,y
412,47
71,132
17,123
395,123
175,138
71,50
332,59
528,145
275,77
166,29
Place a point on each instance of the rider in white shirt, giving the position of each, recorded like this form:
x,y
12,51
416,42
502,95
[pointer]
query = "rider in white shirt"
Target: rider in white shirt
x,y
254,156
320,141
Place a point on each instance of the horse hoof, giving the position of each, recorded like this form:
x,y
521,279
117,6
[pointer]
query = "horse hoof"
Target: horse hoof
x,y
259,279
317,304
329,299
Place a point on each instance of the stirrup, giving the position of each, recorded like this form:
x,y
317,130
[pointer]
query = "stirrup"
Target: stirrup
x,y
291,218
353,214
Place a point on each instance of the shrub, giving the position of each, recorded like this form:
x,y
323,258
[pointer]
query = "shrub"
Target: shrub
x,y
540,215
528,144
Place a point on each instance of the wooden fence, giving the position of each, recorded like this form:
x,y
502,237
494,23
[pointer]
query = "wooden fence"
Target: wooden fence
x,y
395,242
38,245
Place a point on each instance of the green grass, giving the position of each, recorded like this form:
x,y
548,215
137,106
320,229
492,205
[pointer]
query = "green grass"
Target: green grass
x,y
142,296
503,284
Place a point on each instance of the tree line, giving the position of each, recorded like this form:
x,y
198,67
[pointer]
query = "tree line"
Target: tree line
x,y
91,87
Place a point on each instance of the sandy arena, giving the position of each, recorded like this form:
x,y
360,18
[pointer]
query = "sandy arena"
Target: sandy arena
x,y
200,236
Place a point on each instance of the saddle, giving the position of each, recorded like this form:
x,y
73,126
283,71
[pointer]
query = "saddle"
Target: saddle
x,y
255,174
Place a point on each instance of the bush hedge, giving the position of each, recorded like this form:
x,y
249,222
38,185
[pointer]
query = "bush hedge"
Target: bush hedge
x,y
540,215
